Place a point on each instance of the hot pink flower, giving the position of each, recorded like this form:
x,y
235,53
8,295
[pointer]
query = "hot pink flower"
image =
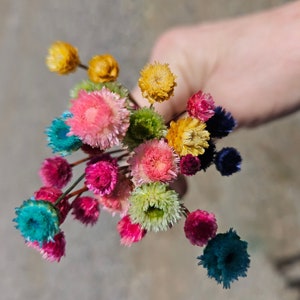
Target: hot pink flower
x,y
201,106
101,176
51,194
100,118
86,210
200,226
117,200
152,161
53,250
130,232
56,172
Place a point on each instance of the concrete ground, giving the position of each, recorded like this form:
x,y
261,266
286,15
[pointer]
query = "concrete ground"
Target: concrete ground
x,y
261,202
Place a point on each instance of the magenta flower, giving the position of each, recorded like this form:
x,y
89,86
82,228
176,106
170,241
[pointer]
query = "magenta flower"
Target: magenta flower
x,y
101,176
201,106
153,161
86,210
200,226
51,194
56,172
117,200
130,232
99,118
52,250
189,164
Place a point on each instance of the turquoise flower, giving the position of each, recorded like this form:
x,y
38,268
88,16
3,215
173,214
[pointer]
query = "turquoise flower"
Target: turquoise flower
x,y
226,258
59,140
37,221
154,206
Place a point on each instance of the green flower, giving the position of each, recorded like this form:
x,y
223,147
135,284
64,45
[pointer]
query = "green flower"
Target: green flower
x,y
90,86
155,206
145,124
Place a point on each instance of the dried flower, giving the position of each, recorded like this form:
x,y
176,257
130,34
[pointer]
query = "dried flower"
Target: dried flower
x,y
157,82
228,161
62,58
55,171
154,206
86,210
226,258
201,106
207,158
130,232
200,226
188,136
99,118
37,221
189,164
152,161
103,68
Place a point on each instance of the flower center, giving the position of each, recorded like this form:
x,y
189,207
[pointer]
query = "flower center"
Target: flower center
x,y
154,212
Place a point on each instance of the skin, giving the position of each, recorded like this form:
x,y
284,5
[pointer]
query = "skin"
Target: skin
x,y
250,65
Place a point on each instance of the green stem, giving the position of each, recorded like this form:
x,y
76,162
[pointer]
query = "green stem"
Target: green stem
x,y
69,189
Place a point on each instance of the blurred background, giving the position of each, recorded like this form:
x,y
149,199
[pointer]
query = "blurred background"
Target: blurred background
x,y
261,202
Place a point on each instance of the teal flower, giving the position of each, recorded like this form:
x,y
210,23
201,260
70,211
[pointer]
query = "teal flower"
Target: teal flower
x,y
145,124
225,258
155,206
59,140
37,221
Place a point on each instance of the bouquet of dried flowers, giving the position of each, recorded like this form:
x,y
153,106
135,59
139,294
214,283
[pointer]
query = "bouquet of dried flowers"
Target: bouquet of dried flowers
x,y
130,157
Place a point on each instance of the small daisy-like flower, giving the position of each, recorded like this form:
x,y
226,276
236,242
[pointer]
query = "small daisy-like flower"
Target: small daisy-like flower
x,y
226,258
51,194
201,106
101,176
103,68
130,232
228,161
152,161
221,123
86,210
188,136
154,206
145,124
37,221
100,118
189,164
59,139
199,227
207,158
52,250
157,82
117,200
62,58
55,171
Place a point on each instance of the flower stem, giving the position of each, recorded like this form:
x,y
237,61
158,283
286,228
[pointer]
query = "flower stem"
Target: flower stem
x,y
83,66
77,192
69,189
78,162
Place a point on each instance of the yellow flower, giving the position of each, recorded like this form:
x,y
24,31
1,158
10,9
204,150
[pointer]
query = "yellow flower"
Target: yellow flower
x,y
188,136
157,82
103,68
62,58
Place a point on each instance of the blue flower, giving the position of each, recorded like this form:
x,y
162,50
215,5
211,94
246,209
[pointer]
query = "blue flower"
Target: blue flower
x,y
207,158
59,140
37,221
228,161
221,123
226,258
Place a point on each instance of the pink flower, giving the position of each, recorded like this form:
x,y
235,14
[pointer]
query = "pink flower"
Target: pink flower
x,y
53,250
51,194
152,161
201,106
200,226
117,200
130,232
101,176
189,164
56,172
100,118
86,210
